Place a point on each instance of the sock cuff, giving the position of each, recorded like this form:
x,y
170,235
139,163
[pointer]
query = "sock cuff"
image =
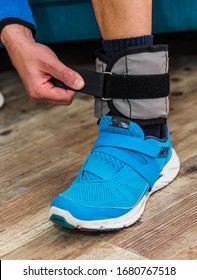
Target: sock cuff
x,y
111,47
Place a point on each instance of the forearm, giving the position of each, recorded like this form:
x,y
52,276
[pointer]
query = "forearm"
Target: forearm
x,y
14,33
13,37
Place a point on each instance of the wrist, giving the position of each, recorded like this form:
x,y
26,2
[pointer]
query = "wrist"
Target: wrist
x,y
15,33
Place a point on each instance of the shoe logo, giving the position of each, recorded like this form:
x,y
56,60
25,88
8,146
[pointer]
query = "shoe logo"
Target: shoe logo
x,y
120,122
163,153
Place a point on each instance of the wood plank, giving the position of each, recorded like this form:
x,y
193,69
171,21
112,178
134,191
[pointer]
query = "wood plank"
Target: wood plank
x,y
106,251
55,243
24,193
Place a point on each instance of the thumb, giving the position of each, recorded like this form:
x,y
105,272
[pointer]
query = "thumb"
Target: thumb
x,y
68,76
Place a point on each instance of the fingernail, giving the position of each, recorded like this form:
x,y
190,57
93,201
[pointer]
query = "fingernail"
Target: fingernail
x,y
78,84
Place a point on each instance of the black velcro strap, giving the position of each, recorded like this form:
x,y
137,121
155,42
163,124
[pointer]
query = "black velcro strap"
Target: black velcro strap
x,y
137,86
94,82
110,85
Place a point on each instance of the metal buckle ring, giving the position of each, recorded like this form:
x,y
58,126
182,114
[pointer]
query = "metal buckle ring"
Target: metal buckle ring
x,y
109,73
103,98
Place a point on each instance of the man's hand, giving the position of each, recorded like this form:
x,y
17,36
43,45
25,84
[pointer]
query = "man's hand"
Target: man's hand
x,y
37,64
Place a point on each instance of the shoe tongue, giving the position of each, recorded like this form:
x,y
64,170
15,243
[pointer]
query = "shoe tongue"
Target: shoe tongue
x,y
121,126
113,125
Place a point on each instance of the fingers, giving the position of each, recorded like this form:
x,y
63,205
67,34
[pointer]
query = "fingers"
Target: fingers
x,y
67,75
54,102
58,96
36,65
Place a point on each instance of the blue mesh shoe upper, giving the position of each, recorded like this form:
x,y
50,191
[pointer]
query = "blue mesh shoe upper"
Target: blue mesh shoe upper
x,y
121,168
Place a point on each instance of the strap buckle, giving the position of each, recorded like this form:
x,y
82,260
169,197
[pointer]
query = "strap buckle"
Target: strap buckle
x,y
103,98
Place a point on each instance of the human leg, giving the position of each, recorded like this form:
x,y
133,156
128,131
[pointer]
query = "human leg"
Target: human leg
x,y
123,19
118,33
127,164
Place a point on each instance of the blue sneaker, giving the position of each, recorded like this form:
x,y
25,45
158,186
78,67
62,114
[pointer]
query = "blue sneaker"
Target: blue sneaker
x,y
123,169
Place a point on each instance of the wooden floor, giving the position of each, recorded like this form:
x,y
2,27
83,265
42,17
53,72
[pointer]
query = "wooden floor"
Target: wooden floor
x,y
41,149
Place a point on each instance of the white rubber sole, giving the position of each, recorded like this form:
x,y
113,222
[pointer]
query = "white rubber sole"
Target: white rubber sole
x,y
168,174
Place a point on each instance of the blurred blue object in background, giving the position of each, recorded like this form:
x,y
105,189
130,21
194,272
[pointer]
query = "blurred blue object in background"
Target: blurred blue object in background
x,y
74,20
